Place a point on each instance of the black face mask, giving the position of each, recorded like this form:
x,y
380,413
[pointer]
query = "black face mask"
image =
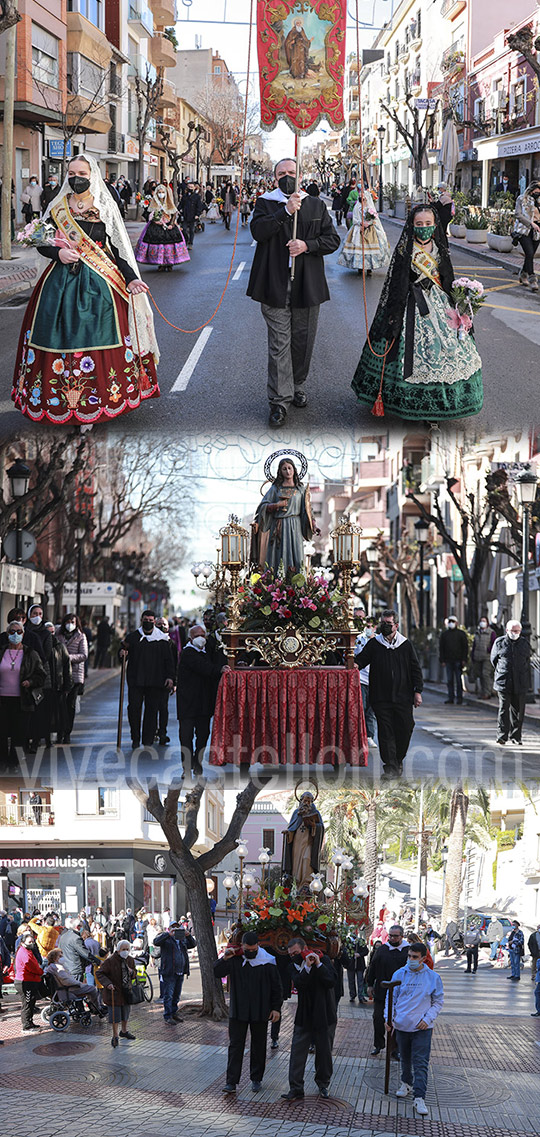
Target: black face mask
x,y
287,184
250,954
79,185
296,957
147,626
386,628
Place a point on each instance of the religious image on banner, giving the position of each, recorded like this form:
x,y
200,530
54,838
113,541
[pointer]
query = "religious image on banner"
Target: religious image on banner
x,y
301,47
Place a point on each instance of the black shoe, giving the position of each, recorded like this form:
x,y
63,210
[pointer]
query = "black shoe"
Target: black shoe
x,y
516,741
278,415
353,1000
229,1088
535,1015
376,1050
114,1041
501,741
274,1044
164,740
127,1034
256,1086
292,1094
323,1092
33,1026
311,1050
449,702
459,702
177,1019
300,399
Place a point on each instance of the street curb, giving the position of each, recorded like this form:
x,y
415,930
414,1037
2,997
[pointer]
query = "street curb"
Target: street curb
x,y
453,243
474,701
97,680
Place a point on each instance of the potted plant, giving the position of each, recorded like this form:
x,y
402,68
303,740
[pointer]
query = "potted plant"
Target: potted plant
x,y
500,231
476,225
401,203
390,192
457,225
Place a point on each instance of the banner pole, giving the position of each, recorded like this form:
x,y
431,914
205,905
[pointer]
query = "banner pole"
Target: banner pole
x,y
298,147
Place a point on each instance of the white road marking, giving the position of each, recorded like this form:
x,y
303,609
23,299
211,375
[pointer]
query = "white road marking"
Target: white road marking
x,y
238,272
192,360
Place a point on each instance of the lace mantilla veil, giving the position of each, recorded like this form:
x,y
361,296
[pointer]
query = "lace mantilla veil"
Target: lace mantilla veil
x,y
117,233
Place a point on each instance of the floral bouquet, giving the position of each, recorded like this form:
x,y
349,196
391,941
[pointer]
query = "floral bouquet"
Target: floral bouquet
x,y
270,601
468,296
37,232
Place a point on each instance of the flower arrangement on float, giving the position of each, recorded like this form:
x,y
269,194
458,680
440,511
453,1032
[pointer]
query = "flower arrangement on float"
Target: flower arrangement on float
x,y
270,600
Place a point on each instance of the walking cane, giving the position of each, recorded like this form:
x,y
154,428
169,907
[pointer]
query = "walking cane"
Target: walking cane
x,y
121,703
389,986
295,218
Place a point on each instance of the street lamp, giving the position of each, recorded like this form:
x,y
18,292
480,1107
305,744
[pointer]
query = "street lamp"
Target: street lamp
x,y
79,532
19,475
242,851
372,557
346,546
381,132
264,858
526,483
422,534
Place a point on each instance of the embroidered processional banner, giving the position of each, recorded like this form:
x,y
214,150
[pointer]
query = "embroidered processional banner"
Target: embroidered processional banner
x,y
301,48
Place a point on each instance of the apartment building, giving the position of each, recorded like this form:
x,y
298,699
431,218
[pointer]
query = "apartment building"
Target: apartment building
x,y
92,844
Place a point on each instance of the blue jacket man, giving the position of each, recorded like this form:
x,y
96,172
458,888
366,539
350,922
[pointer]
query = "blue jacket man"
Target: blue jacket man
x,y
173,965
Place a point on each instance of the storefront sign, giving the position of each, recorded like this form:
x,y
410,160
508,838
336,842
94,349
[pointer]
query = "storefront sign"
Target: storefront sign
x,y
94,590
43,862
56,148
18,581
525,145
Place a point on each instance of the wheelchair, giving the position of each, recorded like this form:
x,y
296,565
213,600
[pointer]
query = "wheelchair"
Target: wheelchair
x,y
63,1008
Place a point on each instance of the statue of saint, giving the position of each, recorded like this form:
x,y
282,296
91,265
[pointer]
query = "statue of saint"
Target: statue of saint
x,y
302,842
283,522
297,48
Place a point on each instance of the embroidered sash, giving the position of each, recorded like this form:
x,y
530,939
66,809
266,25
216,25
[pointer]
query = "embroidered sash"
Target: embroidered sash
x,y
91,253
426,264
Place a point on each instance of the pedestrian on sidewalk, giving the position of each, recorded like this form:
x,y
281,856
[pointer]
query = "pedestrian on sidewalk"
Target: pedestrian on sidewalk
x,y
533,944
75,642
482,669
315,1022
173,967
255,1000
536,1013
362,639
516,950
384,962
527,229
116,975
289,307
150,671
453,654
511,658
395,687
31,199
51,190
28,980
417,1002
103,643
471,943
61,682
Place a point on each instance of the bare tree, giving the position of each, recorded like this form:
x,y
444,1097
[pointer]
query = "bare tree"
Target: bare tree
x,y
175,158
9,16
523,41
223,109
417,137
87,94
148,94
192,869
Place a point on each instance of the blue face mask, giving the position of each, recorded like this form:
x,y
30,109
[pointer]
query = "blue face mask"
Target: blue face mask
x,y
414,964
15,637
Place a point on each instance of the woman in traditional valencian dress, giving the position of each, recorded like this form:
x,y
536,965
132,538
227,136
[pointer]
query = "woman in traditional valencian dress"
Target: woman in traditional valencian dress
x,y
373,252
161,242
87,349
417,366
284,521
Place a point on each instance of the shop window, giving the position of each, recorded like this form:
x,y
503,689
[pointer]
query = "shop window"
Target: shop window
x,y
44,57
91,78
158,894
269,840
107,892
96,801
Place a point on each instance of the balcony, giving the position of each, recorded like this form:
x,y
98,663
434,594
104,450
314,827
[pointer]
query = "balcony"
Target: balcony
x,y
165,14
169,97
16,814
452,60
162,52
171,118
97,120
116,143
139,65
141,19
452,8
85,39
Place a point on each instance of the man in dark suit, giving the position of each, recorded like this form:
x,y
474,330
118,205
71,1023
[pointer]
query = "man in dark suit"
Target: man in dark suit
x,y
384,962
255,1000
150,671
290,308
395,686
196,688
315,980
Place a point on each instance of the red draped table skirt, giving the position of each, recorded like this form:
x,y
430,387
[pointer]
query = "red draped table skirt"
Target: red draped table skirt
x,y
305,716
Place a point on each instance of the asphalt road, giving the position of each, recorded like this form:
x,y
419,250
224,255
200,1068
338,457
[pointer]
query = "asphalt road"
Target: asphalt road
x,y
216,379
447,744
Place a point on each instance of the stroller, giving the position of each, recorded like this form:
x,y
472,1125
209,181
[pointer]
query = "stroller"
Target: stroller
x,y
63,1008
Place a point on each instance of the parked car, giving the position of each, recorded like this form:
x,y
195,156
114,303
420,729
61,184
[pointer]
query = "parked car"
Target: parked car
x,y
482,921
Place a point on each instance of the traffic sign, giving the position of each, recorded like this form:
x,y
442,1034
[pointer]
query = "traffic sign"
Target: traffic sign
x,y
28,545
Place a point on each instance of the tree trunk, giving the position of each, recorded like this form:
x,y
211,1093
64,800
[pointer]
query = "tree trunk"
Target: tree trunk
x,y
195,881
454,863
370,870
